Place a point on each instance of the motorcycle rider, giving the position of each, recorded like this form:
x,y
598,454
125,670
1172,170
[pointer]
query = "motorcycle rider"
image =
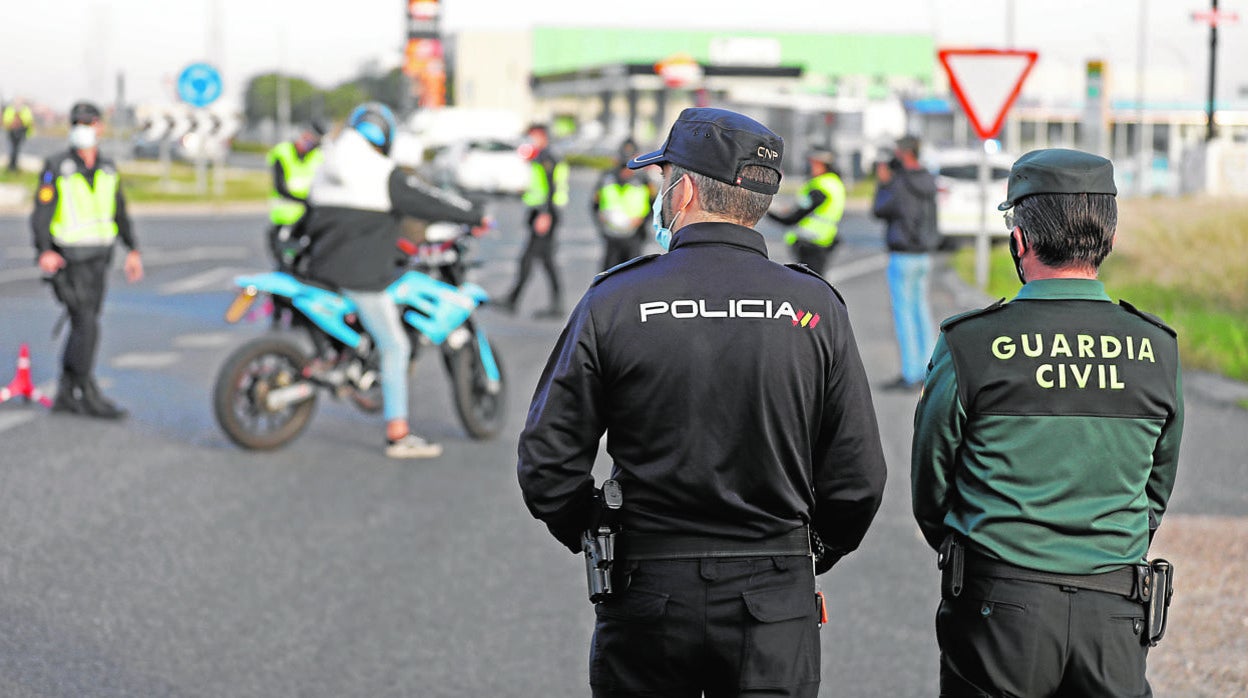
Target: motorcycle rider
x,y
357,199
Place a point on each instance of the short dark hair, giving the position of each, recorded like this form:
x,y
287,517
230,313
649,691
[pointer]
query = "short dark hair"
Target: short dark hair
x,y
737,204
1068,230
537,126
909,143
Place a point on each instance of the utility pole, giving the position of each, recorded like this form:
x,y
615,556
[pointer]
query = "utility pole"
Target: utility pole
x,y
1213,70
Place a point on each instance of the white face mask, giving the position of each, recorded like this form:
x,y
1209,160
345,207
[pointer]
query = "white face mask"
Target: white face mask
x,y
82,136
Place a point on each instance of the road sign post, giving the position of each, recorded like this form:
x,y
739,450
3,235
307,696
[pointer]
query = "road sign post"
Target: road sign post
x,y
986,83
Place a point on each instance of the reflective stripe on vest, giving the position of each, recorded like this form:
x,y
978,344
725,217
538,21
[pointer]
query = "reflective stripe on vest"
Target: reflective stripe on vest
x,y
538,192
819,226
299,174
85,216
630,199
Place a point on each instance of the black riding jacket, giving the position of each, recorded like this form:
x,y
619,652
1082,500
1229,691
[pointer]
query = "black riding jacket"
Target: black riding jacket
x,y
731,392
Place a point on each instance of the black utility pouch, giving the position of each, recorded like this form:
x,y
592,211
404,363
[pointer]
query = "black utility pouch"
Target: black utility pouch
x,y
1157,608
951,559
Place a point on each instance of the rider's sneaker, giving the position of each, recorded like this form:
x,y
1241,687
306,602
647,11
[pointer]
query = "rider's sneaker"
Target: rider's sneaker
x,y
412,446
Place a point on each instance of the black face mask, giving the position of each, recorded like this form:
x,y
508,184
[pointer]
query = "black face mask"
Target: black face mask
x,y
1018,263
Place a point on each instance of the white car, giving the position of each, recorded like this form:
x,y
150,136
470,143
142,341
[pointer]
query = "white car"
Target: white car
x,y
958,192
488,165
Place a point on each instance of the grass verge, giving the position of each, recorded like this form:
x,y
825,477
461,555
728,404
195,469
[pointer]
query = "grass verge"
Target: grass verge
x,y
1179,259
146,182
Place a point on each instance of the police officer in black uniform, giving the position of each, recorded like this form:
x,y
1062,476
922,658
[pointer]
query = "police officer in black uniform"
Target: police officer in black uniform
x,y
1045,449
79,214
739,422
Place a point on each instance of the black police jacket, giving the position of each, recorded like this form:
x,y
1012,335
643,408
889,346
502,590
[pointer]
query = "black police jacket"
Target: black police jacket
x,y
731,392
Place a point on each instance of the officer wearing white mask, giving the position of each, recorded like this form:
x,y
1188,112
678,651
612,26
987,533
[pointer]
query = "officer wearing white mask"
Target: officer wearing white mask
x,y
80,212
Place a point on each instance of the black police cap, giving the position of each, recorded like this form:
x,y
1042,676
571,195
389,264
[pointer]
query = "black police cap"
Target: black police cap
x,y
84,113
719,144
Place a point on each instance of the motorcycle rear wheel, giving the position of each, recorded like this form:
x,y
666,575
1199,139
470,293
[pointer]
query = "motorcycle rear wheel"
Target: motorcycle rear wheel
x,y
246,377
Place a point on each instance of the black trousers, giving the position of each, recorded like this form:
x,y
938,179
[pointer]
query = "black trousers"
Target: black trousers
x,y
1006,637
723,627
15,147
814,256
620,249
80,285
540,248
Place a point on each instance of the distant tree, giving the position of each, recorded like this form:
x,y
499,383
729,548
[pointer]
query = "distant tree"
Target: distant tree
x,y
260,98
342,99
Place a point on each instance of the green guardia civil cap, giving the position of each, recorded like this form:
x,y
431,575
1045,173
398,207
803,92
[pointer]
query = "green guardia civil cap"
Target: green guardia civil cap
x,y
1058,171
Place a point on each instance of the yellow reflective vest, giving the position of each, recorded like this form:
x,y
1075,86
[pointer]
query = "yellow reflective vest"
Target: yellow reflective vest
x,y
538,193
630,199
86,216
819,226
299,172
14,115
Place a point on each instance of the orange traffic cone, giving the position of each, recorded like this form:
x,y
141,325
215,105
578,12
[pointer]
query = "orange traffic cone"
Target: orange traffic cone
x,y
21,385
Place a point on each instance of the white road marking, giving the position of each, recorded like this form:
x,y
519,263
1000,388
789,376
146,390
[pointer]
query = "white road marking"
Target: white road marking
x,y
856,268
153,359
215,279
203,340
20,274
9,420
160,257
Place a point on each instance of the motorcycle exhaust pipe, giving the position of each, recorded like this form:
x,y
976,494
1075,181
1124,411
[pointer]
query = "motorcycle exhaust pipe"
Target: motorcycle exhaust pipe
x,y
282,398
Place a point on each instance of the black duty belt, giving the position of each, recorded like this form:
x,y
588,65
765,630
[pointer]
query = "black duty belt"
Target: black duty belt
x,y
1121,581
656,546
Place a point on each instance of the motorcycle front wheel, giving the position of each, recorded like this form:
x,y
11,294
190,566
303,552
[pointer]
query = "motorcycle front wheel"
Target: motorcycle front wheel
x,y
482,407
244,384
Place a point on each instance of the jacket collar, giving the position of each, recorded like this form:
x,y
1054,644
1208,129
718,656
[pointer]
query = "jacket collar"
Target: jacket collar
x,y
719,234
1063,289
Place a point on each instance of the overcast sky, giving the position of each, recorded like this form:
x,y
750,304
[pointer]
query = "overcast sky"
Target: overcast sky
x,y
59,50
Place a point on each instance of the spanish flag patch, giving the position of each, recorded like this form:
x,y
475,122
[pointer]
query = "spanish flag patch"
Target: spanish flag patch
x,y
46,193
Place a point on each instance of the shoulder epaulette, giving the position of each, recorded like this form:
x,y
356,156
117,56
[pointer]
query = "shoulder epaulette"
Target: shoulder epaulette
x,y
1148,317
635,261
951,321
798,266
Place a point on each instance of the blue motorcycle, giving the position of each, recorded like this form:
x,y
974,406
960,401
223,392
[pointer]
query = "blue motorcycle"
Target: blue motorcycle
x,y
267,389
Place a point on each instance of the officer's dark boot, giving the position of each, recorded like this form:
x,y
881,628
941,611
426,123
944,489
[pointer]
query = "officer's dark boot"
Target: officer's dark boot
x,y
96,404
69,396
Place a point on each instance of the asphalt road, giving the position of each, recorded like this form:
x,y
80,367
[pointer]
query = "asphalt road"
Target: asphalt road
x,y
153,558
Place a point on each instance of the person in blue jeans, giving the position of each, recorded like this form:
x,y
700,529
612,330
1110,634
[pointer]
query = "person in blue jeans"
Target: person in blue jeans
x,y
905,199
356,202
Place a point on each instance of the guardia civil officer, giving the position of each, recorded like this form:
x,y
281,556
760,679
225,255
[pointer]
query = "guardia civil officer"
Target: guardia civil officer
x,y
79,214
738,420
820,206
1045,449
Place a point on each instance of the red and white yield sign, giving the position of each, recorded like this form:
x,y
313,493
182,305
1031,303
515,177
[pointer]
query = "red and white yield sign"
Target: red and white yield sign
x,y
987,81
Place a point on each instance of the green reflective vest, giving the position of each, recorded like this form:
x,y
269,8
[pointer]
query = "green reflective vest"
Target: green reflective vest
x,y
538,192
299,172
86,216
623,199
819,226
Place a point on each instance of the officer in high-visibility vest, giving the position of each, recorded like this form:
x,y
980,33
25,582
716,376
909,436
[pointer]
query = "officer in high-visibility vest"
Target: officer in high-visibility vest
x,y
294,164
621,205
546,196
820,205
19,121
79,214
